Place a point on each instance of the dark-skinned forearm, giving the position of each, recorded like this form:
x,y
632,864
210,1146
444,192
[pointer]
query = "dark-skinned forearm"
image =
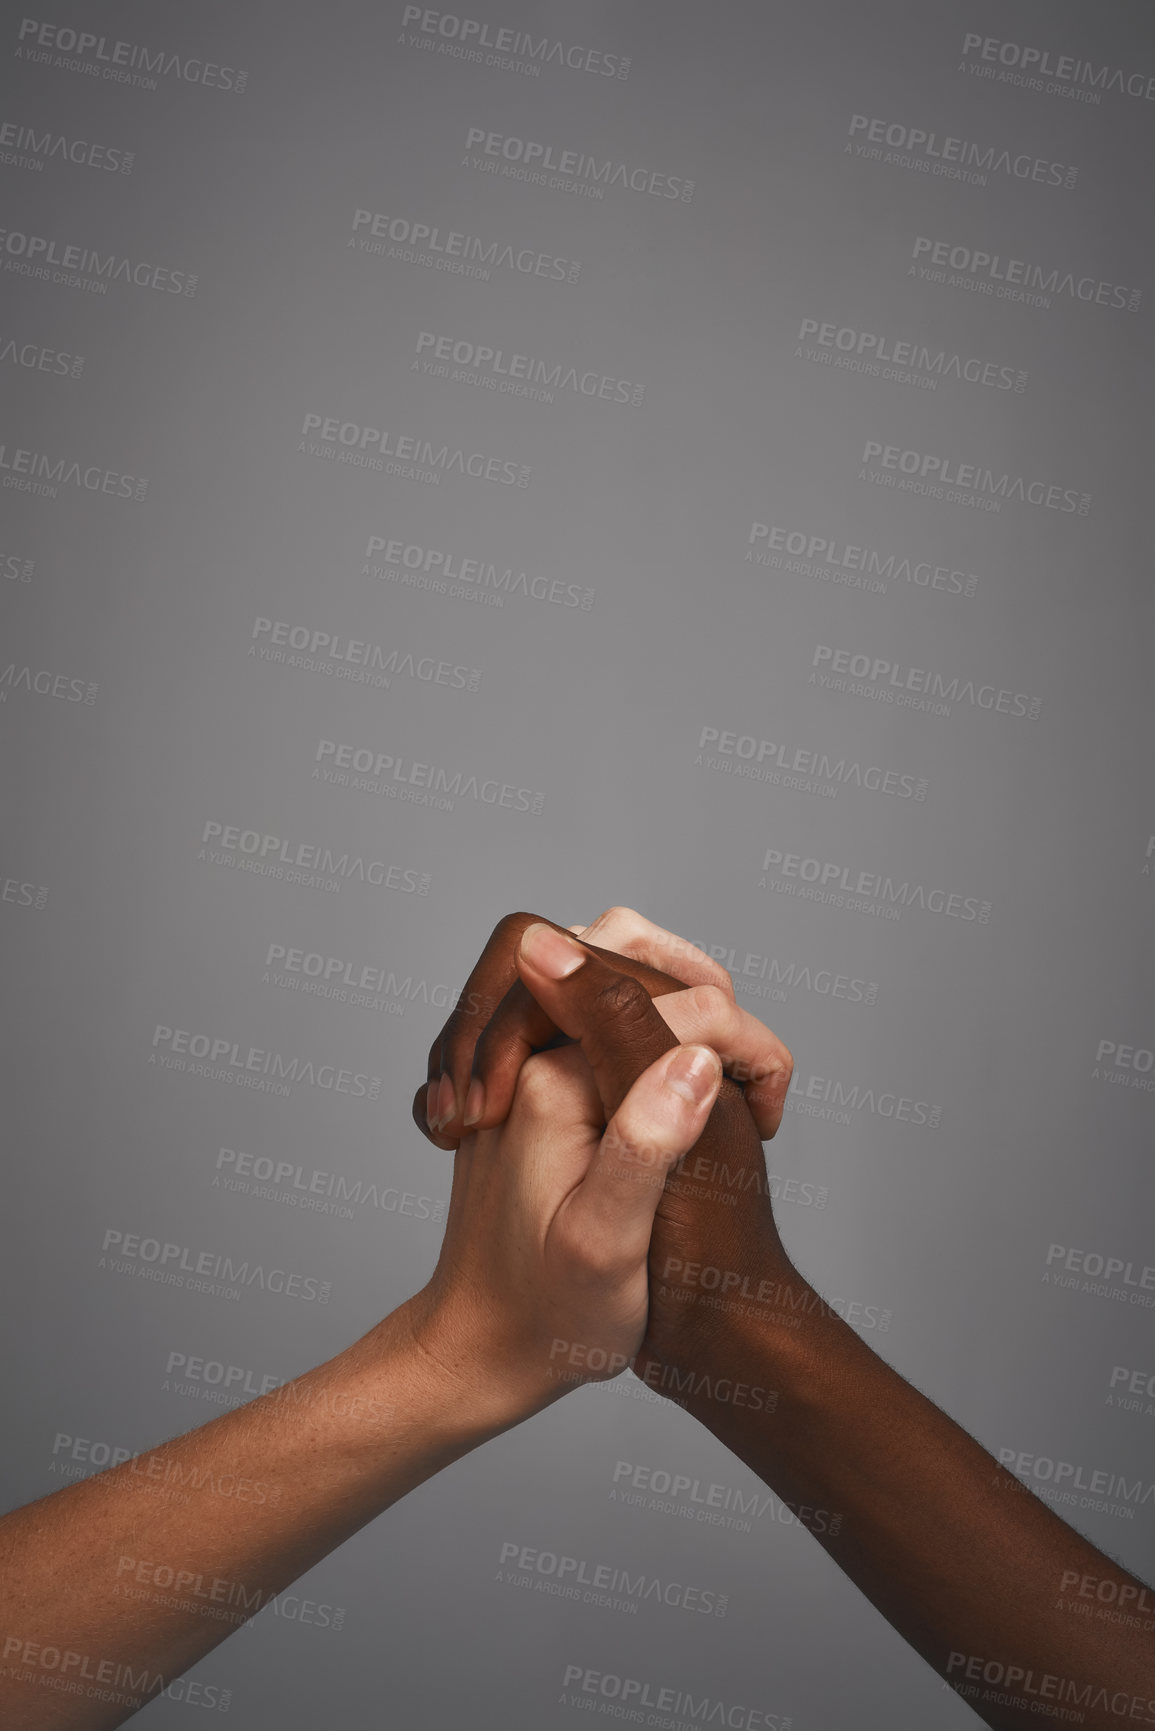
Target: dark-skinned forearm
x,y
975,1572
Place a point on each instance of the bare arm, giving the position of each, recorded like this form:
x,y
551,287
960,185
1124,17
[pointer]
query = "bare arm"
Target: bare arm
x,y
974,1571
983,1579
113,1586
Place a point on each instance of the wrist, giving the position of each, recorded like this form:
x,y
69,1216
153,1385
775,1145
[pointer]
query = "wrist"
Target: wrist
x,y
730,1351
461,1372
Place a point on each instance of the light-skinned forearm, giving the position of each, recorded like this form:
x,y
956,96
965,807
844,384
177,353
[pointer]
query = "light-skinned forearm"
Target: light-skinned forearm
x,y
140,1571
129,1578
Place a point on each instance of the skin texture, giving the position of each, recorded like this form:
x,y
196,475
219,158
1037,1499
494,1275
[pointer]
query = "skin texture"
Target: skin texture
x,y
983,1580
580,1234
121,1581
497,1024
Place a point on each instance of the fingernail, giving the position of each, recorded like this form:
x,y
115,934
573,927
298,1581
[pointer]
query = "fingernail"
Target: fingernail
x,y
693,1073
431,1105
474,1102
552,953
446,1102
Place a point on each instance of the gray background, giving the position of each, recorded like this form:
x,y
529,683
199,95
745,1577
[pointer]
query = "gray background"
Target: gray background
x,y
116,920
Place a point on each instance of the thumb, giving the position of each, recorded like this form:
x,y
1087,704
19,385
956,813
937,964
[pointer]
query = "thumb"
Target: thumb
x,y
607,1012
662,1116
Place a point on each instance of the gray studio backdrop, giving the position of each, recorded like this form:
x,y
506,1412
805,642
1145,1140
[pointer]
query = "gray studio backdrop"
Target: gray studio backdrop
x,y
554,456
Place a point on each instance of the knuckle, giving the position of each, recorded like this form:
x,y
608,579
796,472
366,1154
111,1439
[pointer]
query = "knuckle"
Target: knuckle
x,y
590,1257
616,923
512,925
464,1029
536,1083
625,999
731,1107
722,980
597,1256
626,1143
635,1161
709,1003
681,952
457,1048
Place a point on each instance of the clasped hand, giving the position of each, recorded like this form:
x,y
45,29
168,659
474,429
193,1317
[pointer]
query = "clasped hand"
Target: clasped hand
x,y
605,1190
610,1207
